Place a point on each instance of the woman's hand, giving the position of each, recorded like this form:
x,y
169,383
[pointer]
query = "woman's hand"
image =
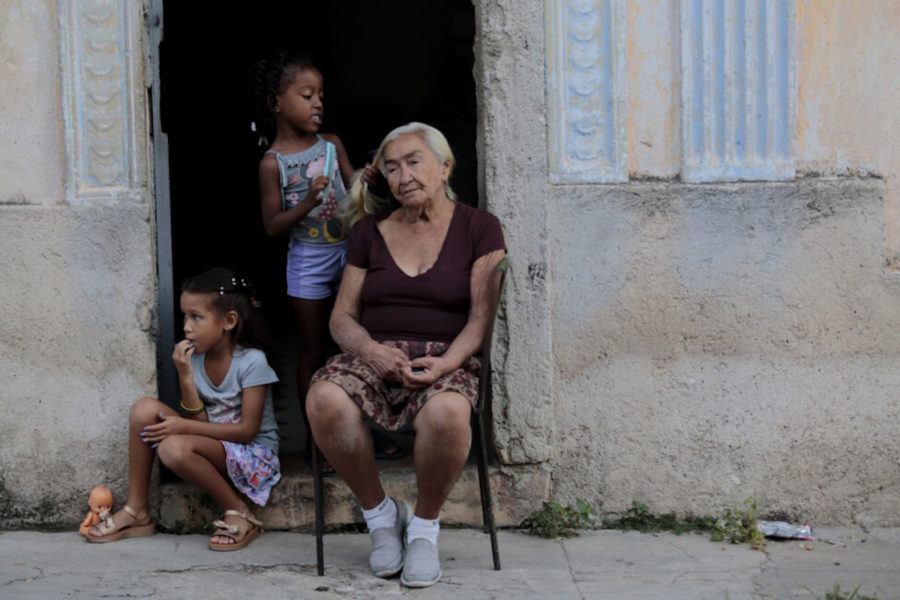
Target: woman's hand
x,y
168,425
423,371
182,359
388,362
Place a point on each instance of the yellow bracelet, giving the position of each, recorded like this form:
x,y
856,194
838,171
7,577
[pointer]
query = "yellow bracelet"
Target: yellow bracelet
x,y
192,411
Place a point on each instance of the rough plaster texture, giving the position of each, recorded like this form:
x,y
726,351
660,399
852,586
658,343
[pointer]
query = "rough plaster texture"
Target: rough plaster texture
x,y
510,79
849,95
709,343
723,342
652,66
77,294
76,307
30,104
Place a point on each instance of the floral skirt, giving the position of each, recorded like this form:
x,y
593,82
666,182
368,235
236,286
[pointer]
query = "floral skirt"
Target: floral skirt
x,y
253,469
389,405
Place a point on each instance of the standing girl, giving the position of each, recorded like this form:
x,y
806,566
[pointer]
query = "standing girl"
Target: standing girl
x,y
225,436
303,179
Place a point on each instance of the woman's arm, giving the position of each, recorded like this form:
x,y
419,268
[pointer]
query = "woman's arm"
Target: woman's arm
x,y
252,402
471,337
276,221
353,337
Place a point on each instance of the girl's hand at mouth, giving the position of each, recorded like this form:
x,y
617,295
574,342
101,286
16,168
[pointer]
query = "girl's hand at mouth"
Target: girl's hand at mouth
x,y
182,358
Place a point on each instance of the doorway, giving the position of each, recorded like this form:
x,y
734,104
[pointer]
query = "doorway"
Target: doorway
x,y
384,64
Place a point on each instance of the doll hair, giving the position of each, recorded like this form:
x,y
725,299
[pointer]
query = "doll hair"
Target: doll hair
x,y
361,200
229,291
265,80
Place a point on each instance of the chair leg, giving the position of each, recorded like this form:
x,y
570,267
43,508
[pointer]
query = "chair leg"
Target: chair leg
x,y
484,485
477,441
319,494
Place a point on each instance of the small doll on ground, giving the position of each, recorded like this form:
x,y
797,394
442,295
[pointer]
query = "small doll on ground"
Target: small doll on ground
x,y
224,440
303,179
101,503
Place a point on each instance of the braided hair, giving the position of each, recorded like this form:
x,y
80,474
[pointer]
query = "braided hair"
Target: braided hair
x,y
265,80
229,291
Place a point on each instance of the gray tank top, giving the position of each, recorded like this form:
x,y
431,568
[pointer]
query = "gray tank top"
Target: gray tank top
x,y
323,224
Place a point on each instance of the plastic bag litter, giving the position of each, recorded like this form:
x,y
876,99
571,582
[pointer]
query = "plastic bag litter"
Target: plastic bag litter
x,y
781,529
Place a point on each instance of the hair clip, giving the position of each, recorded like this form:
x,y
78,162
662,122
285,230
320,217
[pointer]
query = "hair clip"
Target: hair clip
x,y
221,290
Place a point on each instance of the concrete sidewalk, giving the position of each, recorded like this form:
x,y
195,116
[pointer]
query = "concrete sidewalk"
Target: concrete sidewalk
x,y
598,564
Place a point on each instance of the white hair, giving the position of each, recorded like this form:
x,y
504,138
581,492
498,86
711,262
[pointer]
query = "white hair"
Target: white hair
x,y
362,202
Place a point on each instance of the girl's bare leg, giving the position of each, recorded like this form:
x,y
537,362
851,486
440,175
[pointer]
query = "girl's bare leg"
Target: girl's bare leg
x,y
200,461
140,459
312,327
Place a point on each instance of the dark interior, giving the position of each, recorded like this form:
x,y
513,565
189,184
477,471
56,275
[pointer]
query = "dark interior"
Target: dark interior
x,y
384,64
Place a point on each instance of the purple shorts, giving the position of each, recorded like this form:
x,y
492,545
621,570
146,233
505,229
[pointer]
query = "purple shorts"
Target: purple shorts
x,y
314,270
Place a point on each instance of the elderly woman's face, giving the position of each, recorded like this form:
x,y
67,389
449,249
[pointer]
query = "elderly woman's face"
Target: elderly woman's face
x,y
414,173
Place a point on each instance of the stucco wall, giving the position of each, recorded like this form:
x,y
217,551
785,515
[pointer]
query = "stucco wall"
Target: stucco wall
x,y
724,342
707,343
77,291
513,166
849,96
30,104
686,346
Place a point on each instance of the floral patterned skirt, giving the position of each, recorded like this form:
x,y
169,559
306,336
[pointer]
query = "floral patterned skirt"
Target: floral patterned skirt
x,y
253,469
389,405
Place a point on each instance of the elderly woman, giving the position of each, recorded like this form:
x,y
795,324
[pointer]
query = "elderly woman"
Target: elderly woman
x,y
410,314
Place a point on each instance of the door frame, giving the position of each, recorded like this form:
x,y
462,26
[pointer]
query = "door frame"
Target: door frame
x,y
166,376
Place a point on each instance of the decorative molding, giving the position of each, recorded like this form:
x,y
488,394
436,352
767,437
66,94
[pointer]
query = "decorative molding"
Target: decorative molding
x,y
738,90
98,85
585,80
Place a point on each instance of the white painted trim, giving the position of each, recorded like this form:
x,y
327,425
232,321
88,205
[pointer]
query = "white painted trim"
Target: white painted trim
x,y
97,52
738,121
586,99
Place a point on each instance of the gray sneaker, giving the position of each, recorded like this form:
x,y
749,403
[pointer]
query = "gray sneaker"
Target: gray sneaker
x,y
423,568
387,543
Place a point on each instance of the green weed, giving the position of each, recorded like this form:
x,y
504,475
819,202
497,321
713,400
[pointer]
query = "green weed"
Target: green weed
x,y
554,520
639,518
740,526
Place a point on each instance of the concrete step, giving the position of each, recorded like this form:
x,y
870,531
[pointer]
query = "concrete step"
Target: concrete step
x,y
517,491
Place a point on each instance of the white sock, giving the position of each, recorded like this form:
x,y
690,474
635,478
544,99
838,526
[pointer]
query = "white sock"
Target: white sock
x,y
383,515
423,528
